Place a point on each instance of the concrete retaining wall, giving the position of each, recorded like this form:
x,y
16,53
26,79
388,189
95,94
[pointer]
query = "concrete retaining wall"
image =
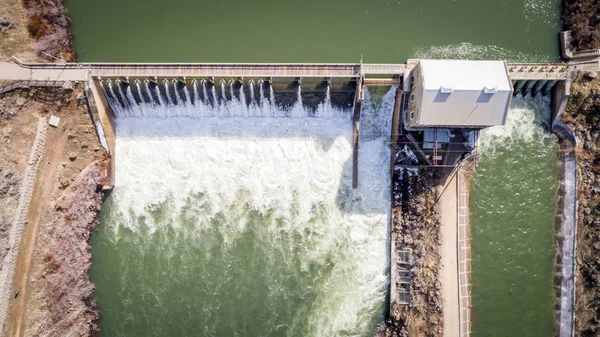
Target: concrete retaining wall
x,y
566,227
106,120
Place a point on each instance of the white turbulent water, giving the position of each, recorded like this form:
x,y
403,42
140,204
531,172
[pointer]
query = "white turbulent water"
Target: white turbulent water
x,y
175,100
294,174
527,121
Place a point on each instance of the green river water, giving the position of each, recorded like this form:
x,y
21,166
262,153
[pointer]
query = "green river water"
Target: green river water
x,y
249,227
383,31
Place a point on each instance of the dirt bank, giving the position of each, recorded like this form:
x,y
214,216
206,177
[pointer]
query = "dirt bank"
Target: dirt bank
x,y
55,294
582,115
417,225
49,24
14,37
34,29
67,291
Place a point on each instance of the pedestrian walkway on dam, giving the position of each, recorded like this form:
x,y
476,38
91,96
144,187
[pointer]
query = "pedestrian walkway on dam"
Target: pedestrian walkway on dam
x,y
14,72
19,70
447,201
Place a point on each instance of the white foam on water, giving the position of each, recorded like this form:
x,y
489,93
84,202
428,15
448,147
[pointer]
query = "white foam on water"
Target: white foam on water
x,y
280,167
526,120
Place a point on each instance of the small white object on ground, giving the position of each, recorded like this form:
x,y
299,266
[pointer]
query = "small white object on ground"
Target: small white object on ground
x,y
54,121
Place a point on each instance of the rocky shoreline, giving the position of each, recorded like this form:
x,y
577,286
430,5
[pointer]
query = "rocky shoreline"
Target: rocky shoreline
x,y
582,17
417,226
48,23
582,115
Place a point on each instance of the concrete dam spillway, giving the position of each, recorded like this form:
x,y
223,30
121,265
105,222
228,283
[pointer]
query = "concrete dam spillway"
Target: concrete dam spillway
x,y
225,99
244,218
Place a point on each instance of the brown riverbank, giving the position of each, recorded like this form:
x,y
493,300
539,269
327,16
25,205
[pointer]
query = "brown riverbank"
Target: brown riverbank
x,y
48,23
582,115
34,30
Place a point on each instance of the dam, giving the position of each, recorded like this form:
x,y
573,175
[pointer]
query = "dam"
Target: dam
x,y
525,78
294,169
213,105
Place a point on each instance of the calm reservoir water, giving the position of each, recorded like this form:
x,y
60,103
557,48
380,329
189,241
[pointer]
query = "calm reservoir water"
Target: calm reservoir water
x,y
383,31
233,219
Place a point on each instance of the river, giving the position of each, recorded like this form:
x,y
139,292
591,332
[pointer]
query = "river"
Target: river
x,y
239,220
513,212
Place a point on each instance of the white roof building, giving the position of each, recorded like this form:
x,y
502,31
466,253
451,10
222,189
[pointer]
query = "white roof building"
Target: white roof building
x,y
459,93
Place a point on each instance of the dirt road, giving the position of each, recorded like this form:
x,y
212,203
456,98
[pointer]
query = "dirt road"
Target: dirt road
x,y
41,199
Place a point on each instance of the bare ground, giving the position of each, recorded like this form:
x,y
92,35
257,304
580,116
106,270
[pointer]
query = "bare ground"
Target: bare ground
x,y
34,30
57,225
583,117
15,40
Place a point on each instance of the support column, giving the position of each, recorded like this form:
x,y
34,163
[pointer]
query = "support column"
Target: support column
x,y
395,128
538,85
548,87
519,85
528,87
358,98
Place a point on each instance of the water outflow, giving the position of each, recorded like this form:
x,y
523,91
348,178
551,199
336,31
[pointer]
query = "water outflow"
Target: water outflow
x,y
199,100
513,203
245,226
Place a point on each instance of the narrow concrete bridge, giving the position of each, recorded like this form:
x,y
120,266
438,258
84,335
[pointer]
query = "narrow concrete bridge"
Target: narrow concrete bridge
x,y
83,71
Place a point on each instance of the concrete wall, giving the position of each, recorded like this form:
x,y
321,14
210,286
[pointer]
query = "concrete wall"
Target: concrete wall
x,y
417,91
566,227
106,119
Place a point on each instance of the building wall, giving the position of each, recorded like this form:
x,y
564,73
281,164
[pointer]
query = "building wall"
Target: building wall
x,y
417,91
467,105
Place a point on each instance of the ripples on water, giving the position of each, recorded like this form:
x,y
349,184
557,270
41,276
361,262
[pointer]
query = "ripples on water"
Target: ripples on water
x,y
513,204
245,227
469,51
